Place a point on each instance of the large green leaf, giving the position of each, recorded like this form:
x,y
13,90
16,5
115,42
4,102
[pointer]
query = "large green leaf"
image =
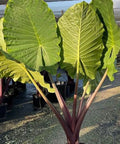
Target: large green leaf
x,y
105,10
17,71
2,41
30,33
81,32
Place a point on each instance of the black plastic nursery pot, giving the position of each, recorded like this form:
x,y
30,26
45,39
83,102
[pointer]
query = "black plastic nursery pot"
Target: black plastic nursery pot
x,y
62,87
3,110
38,102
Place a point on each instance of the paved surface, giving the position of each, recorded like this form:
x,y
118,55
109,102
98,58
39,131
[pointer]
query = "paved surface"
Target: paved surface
x,y
101,125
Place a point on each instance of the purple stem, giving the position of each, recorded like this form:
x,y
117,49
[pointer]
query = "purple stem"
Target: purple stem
x,y
86,107
82,99
75,104
6,85
62,104
1,91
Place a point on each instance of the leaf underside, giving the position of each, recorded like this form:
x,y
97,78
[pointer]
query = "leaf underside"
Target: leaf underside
x,y
16,71
81,32
30,34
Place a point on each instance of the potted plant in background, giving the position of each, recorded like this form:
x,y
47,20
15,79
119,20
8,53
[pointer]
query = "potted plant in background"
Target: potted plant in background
x,y
85,43
2,105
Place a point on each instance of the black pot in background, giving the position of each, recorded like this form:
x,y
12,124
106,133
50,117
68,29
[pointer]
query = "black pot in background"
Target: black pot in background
x,y
8,99
62,87
38,102
3,110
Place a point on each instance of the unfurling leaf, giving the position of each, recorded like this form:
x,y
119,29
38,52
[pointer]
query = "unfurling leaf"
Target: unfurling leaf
x,y
93,83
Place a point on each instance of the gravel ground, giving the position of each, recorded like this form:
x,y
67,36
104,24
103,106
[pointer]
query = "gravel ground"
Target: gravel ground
x,y
23,125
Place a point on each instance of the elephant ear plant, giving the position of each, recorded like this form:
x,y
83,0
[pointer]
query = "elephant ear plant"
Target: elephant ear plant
x,y
88,47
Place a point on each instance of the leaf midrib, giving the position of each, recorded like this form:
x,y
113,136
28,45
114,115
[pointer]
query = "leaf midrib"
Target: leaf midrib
x,y
39,50
34,28
79,41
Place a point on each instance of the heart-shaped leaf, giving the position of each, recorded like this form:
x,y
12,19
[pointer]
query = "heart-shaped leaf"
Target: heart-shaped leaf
x,y
30,34
81,32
